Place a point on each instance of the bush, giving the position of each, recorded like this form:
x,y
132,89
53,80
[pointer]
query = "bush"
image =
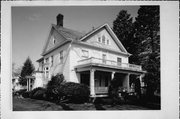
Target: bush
x,y
26,94
20,92
52,86
74,92
39,94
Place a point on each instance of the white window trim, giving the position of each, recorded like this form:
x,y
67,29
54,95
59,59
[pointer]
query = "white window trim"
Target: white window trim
x,y
61,60
85,55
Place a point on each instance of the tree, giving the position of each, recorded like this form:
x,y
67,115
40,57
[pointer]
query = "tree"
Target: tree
x,y
147,30
27,70
16,71
123,27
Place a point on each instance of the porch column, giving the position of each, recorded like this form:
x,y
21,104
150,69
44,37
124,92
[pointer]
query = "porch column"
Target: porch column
x,y
27,84
141,83
112,75
92,84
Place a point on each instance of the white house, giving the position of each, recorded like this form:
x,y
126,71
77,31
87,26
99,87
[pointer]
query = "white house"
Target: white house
x,y
92,59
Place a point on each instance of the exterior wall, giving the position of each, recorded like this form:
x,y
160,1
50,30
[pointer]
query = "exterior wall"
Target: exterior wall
x,y
76,55
38,82
94,40
58,66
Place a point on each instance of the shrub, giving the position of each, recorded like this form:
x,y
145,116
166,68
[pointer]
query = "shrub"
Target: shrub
x,y
26,94
20,92
52,85
75,92
39,94
32,92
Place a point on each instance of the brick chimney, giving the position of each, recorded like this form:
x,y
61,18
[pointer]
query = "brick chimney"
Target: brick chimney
x,y
59,20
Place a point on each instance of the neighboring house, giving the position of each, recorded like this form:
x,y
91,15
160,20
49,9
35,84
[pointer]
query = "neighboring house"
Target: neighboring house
x,y
93,59
15,84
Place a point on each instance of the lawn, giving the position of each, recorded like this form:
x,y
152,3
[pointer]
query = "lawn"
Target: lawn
x,y
26,104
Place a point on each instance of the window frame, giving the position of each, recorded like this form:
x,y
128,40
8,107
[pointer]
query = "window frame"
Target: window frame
x,y
61,56
83,50
52,60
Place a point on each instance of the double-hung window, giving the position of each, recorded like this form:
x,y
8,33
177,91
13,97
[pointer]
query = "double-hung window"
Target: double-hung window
x,y
52,60
104,58
119,61
85,53
61,57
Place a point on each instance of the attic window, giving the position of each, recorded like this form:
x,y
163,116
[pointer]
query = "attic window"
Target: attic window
x,y
103,39
99,39
54,40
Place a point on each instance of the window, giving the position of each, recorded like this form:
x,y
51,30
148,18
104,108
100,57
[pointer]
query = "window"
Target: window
x,y
119,61
85,53
52,60
54,40
104,58
47,60
61,56
107,41
103,39
99,39
47,72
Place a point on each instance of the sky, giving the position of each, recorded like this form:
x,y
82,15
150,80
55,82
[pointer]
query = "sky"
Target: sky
x,y
31,25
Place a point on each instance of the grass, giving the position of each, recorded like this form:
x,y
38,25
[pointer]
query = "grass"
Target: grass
x,y
26,104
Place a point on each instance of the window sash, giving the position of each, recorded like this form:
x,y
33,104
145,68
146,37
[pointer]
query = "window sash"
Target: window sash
x,y
85,53
61,57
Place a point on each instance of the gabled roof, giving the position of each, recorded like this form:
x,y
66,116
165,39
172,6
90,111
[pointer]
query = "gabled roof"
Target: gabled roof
x,y
107,27
68,33
73,35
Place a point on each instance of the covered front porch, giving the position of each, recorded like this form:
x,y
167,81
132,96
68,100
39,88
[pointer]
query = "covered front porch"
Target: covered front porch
x,y
99,78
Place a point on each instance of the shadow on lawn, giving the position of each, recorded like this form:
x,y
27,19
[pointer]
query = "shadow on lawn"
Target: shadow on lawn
x,y
64,106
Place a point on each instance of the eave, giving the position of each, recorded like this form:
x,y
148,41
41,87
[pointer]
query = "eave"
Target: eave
x,y
100,48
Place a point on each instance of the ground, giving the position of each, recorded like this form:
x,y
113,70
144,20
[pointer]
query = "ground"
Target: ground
x,y
26,104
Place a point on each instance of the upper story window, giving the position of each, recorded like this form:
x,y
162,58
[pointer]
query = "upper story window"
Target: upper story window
x,y
99,39
107,41
85,53
104,58
54,40
61,56
119,61
103,39
52,60
47,60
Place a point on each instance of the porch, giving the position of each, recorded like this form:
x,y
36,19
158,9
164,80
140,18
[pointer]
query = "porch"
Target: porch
x,y
97,74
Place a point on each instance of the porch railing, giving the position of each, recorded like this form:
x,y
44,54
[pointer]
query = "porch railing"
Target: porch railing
x,y
109,63
101,90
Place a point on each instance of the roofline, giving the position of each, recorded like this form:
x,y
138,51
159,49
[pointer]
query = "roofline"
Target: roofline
x,y
93,46
113,35
91,32
40,59
54,48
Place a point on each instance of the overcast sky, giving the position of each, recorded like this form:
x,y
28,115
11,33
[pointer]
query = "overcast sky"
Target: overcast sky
x,y
31,25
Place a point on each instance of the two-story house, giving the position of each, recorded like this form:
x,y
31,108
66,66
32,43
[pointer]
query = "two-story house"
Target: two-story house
x,y
92,59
